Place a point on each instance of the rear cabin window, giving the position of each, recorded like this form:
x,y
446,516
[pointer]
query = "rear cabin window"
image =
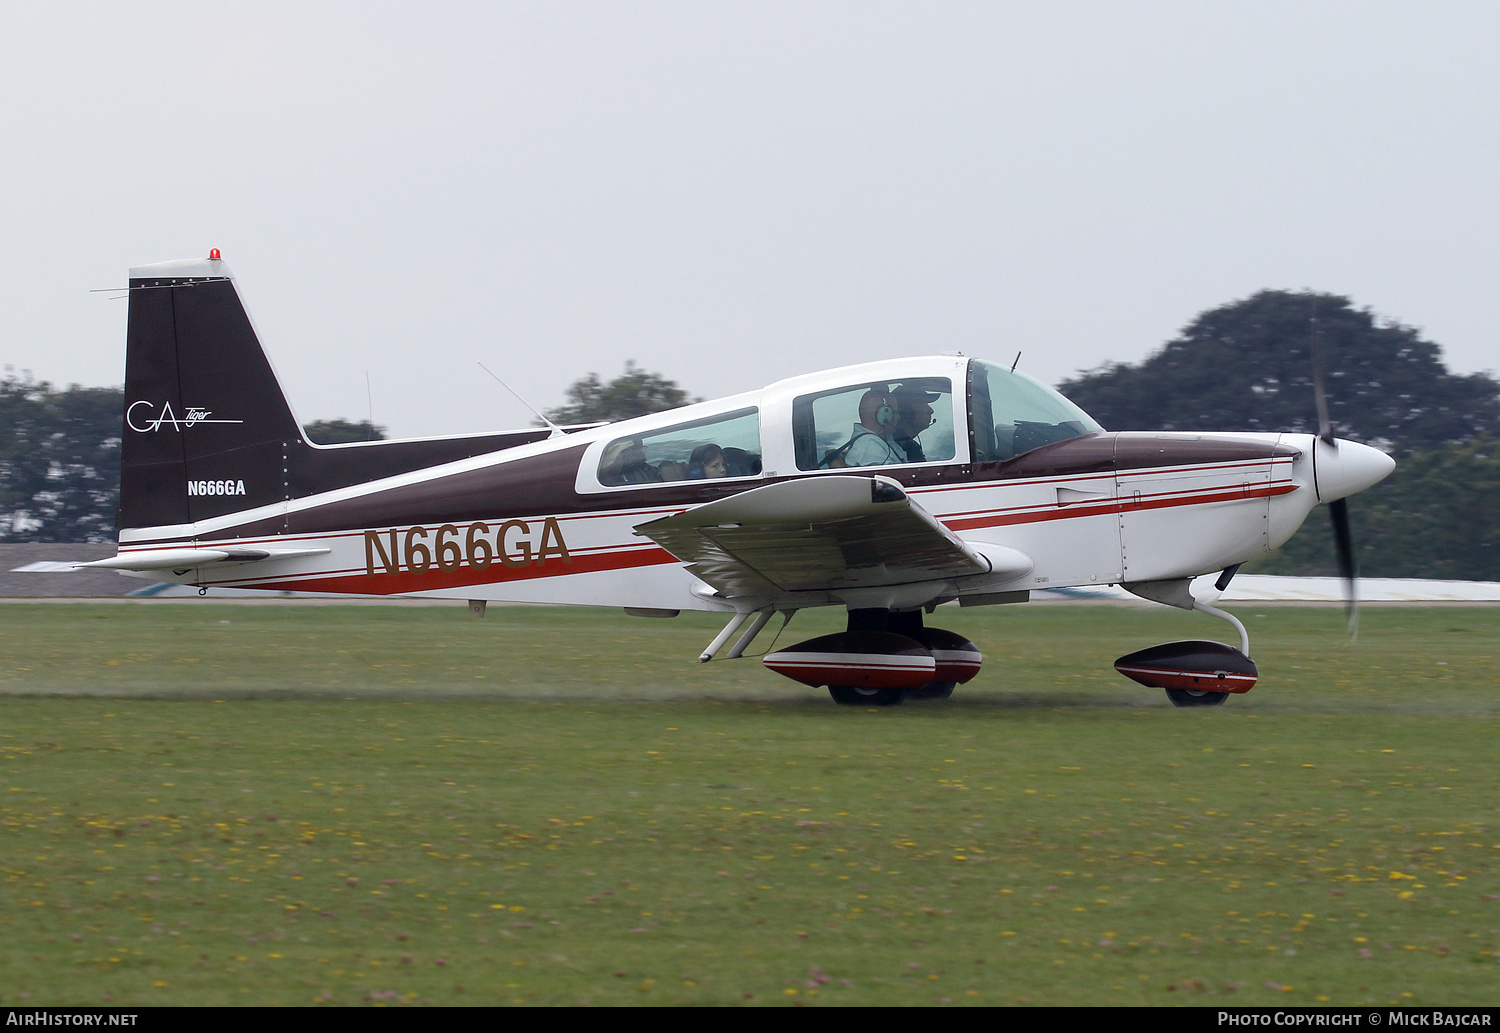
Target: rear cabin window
x,y
887,423
719,446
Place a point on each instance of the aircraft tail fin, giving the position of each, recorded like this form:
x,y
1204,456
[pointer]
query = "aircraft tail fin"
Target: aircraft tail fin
x,y
207,427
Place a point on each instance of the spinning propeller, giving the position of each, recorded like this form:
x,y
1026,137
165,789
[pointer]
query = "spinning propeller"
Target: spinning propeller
x,y
1327,450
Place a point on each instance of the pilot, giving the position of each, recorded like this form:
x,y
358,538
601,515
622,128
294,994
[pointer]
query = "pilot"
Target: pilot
x,y
913,416
871,444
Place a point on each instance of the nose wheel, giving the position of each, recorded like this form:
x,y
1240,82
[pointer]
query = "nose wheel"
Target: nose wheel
x,y
1196,698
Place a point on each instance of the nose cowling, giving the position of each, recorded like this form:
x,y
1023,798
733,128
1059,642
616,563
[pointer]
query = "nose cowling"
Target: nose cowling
x,y
1344,467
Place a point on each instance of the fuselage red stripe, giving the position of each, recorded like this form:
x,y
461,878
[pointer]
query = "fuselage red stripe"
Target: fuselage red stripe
x,y
1115,505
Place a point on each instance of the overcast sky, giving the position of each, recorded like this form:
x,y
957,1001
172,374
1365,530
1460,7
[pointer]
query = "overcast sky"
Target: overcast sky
x,y
730,193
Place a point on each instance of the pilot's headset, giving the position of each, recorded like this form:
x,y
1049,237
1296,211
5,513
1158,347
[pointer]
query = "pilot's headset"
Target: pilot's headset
x,y
885,416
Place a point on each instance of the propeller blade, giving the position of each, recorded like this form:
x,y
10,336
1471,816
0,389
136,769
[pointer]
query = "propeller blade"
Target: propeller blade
x,y
1320,396
1338,510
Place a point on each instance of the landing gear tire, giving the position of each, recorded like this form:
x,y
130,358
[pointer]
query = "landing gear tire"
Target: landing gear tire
x,y
933,690
858,695
1196,698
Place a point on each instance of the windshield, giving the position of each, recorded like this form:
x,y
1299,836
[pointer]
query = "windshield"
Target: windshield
x,y
1011,413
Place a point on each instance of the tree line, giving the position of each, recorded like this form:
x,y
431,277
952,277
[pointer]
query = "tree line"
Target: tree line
x,y
60,459
1247,365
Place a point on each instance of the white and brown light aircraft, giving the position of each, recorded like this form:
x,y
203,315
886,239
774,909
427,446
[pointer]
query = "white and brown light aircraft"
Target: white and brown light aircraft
x,y
887,488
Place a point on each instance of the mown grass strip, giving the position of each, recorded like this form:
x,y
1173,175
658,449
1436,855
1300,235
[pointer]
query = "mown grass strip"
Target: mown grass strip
x,y
392,805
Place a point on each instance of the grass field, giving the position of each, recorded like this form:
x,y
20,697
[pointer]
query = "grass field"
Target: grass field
x,y
213,804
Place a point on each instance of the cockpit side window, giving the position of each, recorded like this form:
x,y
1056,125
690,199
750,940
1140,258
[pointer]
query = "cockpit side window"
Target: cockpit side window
x,y
889,423
727,445
1011,413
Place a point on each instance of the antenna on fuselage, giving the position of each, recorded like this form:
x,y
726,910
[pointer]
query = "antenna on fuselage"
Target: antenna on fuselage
x,y
1013,365
557,431
369,406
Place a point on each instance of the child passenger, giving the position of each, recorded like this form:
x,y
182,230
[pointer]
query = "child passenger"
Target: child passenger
x,y
707,461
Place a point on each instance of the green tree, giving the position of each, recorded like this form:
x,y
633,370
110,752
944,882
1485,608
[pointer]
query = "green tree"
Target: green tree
x,y
1248,366
334,432
59,461
634,393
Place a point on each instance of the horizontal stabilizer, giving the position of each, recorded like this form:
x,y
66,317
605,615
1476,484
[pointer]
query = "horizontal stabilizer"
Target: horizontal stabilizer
x,y
184,559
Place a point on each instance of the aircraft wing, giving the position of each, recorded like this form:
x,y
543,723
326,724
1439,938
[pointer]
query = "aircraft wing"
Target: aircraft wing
x,y
815,534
